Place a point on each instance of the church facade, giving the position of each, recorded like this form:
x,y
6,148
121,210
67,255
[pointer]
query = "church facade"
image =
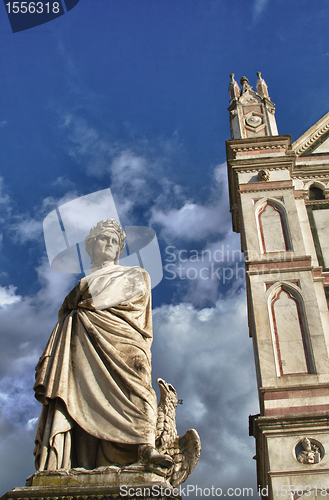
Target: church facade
x,y
279,201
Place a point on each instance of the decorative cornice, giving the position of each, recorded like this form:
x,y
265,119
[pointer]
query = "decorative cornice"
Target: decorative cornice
x,y
259,148
265,143
317,202
245,169
297,472
255,187
311,136
307,175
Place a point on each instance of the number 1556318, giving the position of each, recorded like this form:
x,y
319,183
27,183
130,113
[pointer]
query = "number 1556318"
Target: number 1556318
x,y
32,7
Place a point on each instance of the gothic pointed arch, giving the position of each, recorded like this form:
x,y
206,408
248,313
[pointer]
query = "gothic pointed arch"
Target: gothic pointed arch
x,y
290,334
272,225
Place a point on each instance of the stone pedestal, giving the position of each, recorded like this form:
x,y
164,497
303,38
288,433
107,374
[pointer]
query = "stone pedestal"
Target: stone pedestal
x,y
104,483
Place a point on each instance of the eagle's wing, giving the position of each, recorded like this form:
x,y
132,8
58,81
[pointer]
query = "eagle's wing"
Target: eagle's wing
x,y
185,454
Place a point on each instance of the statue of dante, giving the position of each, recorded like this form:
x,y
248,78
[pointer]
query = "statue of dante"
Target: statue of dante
x,y
94,377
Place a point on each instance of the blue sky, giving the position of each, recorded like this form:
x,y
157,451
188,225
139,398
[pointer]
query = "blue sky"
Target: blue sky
x,y
132,95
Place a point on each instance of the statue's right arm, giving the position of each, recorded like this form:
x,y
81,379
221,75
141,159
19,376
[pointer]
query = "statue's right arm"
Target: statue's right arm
x,y
73,298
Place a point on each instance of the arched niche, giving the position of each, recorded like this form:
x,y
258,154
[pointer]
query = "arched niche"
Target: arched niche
x,y
290,334
315,184
316,193
272,224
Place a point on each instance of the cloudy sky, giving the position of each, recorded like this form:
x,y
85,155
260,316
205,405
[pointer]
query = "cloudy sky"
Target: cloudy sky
x,y
132,95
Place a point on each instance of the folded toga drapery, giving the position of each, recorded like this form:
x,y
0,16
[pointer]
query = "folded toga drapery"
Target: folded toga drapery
x,y
94,377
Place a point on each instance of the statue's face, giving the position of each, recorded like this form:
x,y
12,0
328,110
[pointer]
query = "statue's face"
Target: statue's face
x,y
106,247
307,445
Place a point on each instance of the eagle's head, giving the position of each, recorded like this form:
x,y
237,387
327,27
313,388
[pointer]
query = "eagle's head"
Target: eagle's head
x,y
167,391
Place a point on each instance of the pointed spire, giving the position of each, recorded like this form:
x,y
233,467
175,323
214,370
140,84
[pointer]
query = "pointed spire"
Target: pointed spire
x,y
244,85
261,86
251,112
233,88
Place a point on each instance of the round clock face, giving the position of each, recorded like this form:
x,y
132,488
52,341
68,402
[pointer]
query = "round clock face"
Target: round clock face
x,y
254,121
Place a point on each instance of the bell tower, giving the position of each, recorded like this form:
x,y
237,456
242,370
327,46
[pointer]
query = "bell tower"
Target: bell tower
x,y
251,113
279,201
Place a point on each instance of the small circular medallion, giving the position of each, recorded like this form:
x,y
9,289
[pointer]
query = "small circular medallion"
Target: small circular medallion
x,y
309,451
254,121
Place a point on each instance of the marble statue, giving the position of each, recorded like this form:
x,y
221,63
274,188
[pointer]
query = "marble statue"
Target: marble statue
x,y
310,453
94,377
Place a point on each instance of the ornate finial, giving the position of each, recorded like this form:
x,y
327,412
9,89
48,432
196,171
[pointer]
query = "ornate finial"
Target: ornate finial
x,y
261,86
244,85
233,88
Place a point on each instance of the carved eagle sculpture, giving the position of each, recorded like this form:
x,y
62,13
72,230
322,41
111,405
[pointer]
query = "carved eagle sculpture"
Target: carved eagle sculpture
x,y
185,450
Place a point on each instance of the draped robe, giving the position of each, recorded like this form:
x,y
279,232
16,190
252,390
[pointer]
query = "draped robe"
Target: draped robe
x,y
94,377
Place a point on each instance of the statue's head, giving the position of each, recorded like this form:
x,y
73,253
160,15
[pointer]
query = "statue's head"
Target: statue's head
x,y
106,229
307,444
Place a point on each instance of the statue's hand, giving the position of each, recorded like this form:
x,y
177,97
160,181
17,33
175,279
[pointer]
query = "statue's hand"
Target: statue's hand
x,y
72,300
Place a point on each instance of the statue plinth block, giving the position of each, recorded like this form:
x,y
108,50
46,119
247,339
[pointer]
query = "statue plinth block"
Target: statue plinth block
x,y
104,483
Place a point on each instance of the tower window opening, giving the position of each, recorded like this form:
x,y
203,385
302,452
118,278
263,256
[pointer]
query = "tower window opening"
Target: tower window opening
x,y
316,193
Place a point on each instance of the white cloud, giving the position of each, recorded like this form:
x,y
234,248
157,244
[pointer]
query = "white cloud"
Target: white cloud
x,y
24,228
91,151
5,207
207,356
16,451
26,322
205,275
64,182
127,166
137,168
8,296
32,424
259,7
193,221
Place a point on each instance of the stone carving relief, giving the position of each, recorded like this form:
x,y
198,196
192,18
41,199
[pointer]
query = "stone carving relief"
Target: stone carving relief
x,y
263,175
254,121
309,451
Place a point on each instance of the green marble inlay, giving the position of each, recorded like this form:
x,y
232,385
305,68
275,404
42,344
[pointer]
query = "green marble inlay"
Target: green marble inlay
x,y
314,230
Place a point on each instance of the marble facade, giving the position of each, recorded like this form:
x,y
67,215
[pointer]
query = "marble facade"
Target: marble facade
x,y
279,200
